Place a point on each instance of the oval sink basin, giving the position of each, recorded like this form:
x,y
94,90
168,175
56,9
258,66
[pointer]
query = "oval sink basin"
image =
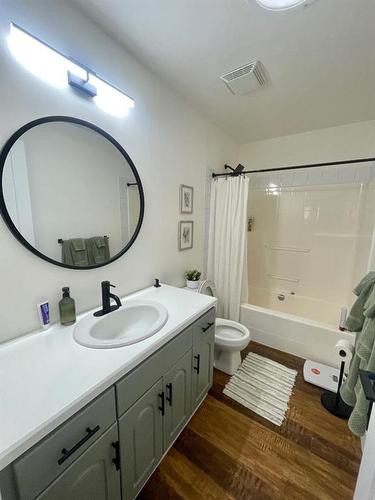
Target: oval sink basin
x,y
136,320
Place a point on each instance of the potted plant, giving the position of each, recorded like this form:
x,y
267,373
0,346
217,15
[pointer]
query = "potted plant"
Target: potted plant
x,y
192,278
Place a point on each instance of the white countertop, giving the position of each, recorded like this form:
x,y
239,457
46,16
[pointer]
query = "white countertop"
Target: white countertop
x,y
46,377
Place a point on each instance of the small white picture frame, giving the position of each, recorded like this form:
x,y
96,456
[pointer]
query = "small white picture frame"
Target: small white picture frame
x,y
186,199
185,234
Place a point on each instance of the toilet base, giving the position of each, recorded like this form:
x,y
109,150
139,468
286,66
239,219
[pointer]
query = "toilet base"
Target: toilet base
x,y
227,361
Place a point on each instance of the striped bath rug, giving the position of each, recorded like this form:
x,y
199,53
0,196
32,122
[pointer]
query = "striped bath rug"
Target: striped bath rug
x,y
262,385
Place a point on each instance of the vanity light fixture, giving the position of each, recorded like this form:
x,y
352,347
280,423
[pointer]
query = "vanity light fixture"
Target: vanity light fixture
x,y
60,71
280,5
109,98
82,84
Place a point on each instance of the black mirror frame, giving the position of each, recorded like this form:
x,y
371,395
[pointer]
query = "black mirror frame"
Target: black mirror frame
x,y
4,212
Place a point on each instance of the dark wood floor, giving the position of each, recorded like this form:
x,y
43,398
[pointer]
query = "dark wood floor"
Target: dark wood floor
x,y
227,451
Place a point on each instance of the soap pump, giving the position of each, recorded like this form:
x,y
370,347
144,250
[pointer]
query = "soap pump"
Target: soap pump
x,y
67,308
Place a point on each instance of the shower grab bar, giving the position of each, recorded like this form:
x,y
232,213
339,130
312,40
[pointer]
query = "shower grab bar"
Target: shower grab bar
x,y
291,280
288,249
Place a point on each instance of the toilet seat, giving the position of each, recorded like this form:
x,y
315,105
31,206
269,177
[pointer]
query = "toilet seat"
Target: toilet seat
x,y
230,334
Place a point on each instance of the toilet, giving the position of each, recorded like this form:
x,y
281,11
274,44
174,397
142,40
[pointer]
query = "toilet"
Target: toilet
x,y
230,337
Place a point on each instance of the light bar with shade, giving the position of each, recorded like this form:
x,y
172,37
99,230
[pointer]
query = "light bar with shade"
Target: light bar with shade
x,y
109,98
40,60
60,71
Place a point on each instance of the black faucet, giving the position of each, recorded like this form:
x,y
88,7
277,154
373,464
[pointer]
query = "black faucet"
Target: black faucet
x,y
106,300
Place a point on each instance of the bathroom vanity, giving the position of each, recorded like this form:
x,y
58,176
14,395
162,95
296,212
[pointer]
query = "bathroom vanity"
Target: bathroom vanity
x,y
80,423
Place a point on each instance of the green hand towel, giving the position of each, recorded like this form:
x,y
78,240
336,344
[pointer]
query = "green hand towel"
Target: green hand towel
x,y
100,242
78,244
364,357
98,250
74,252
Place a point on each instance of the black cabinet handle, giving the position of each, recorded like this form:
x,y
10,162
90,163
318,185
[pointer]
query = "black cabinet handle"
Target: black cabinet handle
x,y
198,358
116,460
162,407
67,453
169,396
204,329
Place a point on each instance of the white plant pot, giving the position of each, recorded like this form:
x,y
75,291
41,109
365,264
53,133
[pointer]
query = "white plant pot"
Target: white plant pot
x,y
192,284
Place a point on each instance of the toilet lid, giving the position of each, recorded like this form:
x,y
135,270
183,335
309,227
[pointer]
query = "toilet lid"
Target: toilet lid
x,y
208,287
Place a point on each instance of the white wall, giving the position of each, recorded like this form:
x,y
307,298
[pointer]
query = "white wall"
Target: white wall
x,y
356,140
168,141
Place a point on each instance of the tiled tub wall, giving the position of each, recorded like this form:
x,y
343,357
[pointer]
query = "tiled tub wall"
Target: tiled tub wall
x,y
312,238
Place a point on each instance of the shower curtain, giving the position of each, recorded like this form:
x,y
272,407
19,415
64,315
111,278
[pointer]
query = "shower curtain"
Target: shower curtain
x,y
227,245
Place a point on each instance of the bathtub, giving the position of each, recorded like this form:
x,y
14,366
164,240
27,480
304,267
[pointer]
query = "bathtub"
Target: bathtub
x,y
316,309
296,335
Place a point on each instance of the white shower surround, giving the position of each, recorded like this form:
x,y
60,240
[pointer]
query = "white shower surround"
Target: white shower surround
x,y
302,325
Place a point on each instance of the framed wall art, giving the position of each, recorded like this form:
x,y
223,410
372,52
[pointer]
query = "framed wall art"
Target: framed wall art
x,y
185,234
186,199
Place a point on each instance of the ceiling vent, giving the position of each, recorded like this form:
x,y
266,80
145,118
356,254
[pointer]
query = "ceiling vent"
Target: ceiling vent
x,y
245,79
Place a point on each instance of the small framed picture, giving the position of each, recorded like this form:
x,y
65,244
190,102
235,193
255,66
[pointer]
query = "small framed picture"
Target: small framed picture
x,y
185,234
186,199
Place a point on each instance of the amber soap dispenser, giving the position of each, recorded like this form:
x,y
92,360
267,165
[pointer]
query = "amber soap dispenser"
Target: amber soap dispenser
x,y
67,308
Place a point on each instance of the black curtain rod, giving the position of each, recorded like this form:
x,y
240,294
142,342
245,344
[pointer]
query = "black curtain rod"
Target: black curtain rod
x,y
297,167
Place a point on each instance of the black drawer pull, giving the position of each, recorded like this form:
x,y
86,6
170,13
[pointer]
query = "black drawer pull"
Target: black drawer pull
x,y
204,329
198,358
162,407
116,460
169,396
67,453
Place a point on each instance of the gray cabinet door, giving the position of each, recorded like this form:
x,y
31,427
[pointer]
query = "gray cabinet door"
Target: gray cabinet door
x,y
141,440
177,387
202,369
93,476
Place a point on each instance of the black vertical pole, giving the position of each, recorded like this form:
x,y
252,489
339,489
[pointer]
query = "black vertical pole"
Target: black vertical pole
x,y
340,383
333,401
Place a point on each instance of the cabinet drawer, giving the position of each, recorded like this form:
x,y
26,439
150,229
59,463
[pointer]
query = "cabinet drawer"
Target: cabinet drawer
x,y
37,468
93,476
136,383
204,326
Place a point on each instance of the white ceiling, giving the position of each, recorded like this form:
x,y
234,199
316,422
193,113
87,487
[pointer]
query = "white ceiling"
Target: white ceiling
x,y
320,60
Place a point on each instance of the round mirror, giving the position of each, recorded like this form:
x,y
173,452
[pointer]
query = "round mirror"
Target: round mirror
x,y
70,193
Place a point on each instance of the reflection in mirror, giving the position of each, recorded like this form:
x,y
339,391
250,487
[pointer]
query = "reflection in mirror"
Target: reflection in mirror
x,y
71,194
